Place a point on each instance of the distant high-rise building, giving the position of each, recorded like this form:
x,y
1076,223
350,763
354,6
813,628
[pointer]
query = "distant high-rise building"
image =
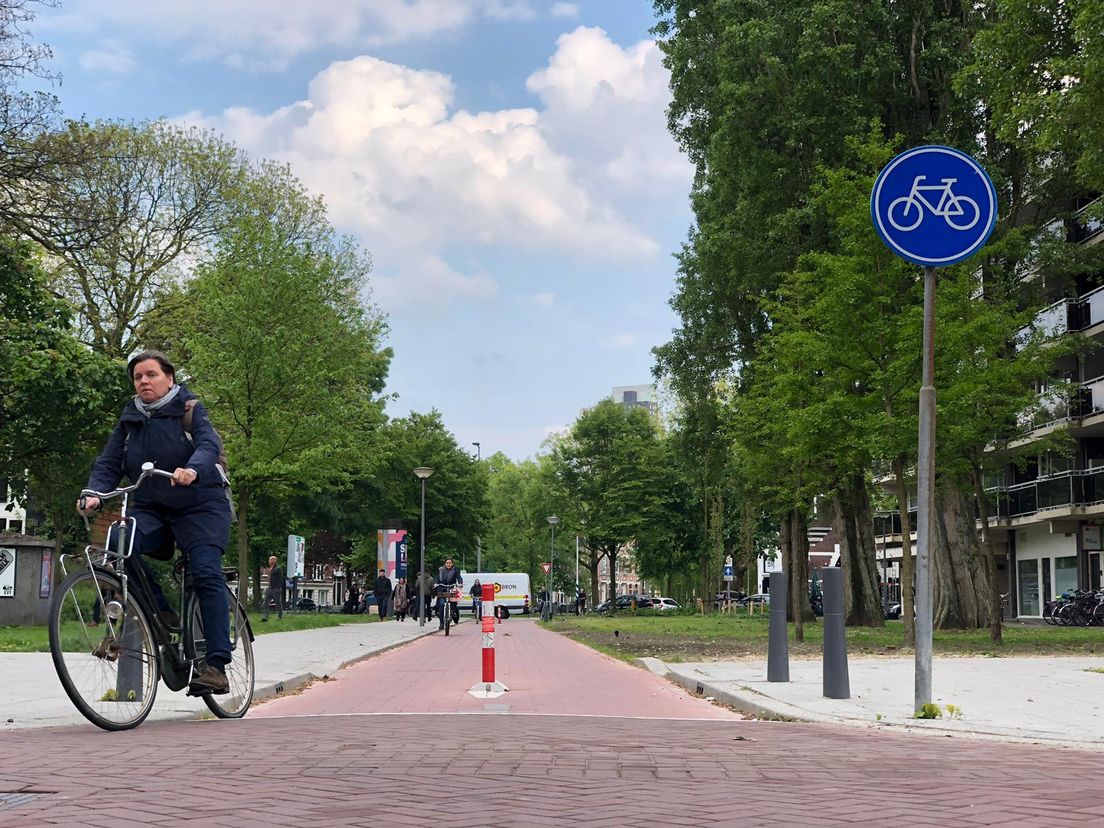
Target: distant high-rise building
x,y
636,396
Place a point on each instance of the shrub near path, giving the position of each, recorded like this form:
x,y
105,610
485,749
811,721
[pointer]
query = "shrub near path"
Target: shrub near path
x,y
679,637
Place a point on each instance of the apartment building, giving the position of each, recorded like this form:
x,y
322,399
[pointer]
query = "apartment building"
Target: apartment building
x,y
1047,514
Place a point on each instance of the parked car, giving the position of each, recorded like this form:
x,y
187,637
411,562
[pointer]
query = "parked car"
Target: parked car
x,y
625,602
735,596
665,604
762,598
306,604
892,610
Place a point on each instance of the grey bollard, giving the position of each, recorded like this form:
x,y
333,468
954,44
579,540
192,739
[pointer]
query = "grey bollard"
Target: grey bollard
x,y
778,648
836,682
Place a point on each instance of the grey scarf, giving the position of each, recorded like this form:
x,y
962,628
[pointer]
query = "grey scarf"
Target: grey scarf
x,y
146,408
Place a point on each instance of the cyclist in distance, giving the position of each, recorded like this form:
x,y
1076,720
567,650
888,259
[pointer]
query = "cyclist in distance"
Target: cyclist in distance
x,y
449,576
191,510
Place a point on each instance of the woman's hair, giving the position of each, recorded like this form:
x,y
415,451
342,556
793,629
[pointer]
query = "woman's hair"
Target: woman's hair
x,y
142,356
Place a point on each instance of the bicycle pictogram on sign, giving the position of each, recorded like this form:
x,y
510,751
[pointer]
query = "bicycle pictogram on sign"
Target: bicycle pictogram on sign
x,y
933,206
960,212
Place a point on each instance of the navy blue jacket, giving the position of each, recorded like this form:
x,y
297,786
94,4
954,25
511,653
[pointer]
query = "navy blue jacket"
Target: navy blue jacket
x,y
196,514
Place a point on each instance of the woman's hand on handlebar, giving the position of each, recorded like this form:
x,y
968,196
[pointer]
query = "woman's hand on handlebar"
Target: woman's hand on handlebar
x,y
184,477
88,505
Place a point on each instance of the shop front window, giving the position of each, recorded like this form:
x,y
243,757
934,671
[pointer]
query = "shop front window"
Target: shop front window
x,y
1065,574
1029,587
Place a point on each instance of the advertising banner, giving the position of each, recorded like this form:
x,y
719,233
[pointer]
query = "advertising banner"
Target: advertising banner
x,y
47,575
391,552
297,556
7,572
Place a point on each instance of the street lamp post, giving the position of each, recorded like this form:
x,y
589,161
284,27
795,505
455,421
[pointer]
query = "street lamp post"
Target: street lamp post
x,y
552,521
422,472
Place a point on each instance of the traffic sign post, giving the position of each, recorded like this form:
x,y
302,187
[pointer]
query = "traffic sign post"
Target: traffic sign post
x,y
933,206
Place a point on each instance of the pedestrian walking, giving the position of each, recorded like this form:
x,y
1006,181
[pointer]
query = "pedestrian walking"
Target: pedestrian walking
x,y
400,600
427,586
382,590
580,602
274,593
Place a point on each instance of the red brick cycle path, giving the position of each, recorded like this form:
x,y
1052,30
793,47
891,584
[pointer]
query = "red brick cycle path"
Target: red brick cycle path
x,y
283,766
546,673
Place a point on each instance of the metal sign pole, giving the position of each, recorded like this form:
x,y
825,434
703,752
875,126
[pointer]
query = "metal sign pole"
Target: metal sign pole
x,y
933,206
926,494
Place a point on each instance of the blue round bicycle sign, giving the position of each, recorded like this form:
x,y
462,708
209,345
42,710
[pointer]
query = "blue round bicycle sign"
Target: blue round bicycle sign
x,y
934,206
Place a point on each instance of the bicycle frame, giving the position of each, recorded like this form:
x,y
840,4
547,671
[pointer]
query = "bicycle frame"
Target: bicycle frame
x,y
945,189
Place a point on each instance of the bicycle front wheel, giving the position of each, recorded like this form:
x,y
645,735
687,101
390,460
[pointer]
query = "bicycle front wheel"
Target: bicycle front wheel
x,y
109,667
240,672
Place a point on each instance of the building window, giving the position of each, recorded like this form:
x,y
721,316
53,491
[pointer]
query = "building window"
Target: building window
x,y
1029,587
15,526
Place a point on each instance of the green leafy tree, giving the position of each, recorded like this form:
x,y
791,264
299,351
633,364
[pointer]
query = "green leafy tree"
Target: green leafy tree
x,y
456,494
159,191
288,361
57,398
609,470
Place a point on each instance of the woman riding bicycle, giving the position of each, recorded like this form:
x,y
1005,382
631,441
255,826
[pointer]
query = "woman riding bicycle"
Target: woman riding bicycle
x,y
191,510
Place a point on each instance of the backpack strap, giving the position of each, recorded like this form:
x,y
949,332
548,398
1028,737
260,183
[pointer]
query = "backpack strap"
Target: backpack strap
x,y
188,414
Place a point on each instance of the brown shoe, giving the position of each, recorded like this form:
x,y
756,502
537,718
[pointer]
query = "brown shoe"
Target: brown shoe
x,y
208,680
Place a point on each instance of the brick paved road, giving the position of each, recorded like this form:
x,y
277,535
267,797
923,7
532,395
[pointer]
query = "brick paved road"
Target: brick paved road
x,y
284,766
550,770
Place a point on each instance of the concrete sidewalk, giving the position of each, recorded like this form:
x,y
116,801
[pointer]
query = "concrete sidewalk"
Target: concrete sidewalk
x,y
31,694
1040,700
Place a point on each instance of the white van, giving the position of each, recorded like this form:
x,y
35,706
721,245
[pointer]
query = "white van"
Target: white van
x,y
511,589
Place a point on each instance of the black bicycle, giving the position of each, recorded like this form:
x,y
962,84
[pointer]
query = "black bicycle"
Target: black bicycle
x,y
448,608
110,645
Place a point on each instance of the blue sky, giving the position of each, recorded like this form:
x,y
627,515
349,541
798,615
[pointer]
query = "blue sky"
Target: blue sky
x,y
505,162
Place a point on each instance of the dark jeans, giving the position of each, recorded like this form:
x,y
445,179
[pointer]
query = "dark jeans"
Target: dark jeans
x,y
381,604
441,603
208,583
274,594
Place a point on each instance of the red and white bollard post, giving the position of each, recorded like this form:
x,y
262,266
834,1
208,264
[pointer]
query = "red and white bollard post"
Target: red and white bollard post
x,y
488,688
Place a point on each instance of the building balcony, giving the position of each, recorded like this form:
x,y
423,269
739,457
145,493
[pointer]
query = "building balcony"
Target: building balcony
x,y
1087,222
889,522
1056,491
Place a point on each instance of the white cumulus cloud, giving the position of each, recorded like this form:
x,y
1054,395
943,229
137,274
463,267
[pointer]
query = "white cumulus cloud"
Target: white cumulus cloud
x,y
417,179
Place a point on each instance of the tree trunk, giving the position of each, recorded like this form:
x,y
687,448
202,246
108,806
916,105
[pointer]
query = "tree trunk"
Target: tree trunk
x,y
613,580
594,560
958,577
908,565
862,604
243,545
798,574
989,559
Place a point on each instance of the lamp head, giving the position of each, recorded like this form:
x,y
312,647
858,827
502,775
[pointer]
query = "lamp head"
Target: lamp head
x,y
553,520
422,472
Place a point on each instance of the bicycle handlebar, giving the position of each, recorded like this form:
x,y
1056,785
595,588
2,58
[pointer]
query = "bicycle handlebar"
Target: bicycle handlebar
x,y
147,471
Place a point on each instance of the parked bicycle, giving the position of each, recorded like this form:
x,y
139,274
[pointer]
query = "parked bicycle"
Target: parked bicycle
x,y
1076,608
111,672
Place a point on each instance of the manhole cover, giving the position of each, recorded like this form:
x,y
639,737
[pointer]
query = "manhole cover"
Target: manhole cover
x,y
15,799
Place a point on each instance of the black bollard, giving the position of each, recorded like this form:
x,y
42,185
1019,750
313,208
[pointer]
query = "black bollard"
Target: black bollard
x,y
836,682
778,650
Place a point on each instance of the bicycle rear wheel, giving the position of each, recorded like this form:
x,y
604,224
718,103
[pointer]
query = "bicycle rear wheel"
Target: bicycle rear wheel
x,y
446,611
240,672
109,669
